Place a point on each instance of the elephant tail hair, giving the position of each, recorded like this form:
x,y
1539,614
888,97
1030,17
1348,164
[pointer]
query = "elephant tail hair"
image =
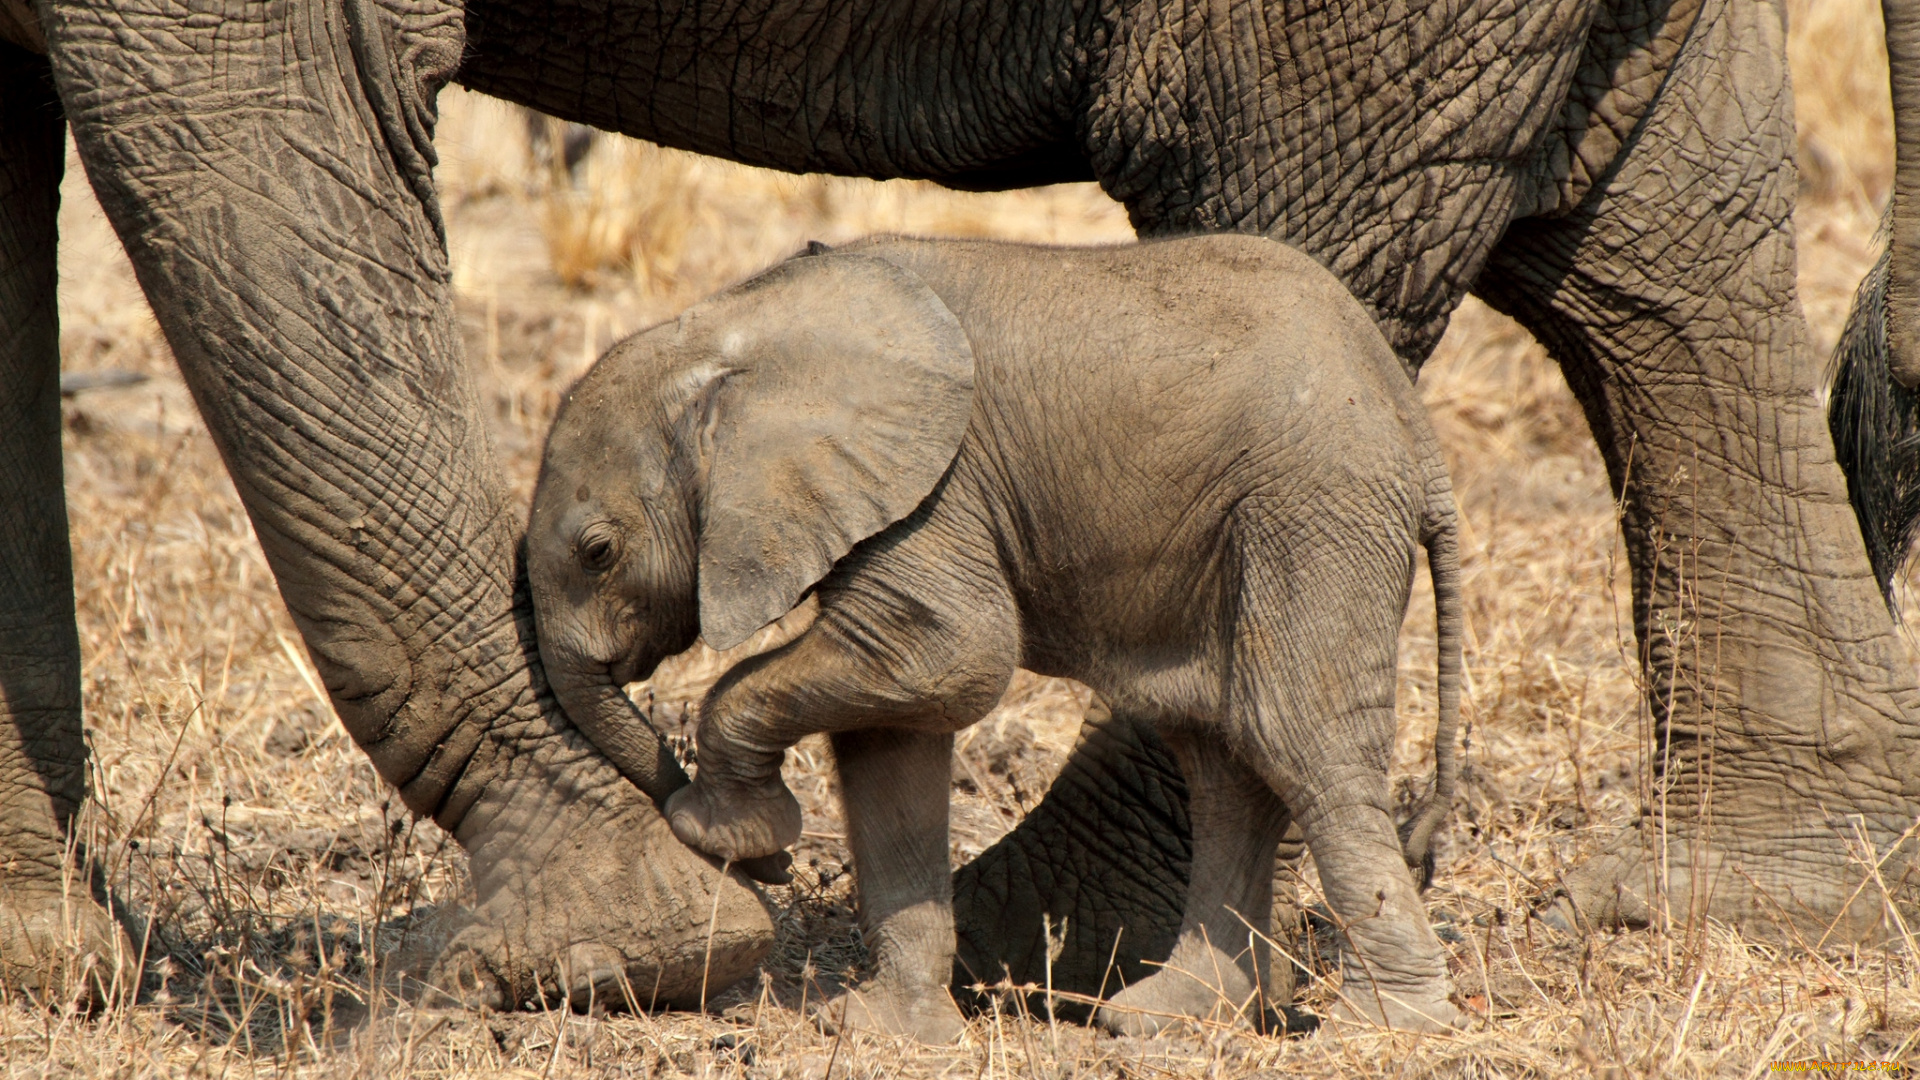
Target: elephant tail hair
x,y
1876,430
1440,536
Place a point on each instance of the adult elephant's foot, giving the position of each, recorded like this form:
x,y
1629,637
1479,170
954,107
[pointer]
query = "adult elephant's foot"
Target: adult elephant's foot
x,y
1816,882
925,1014
1785,780
1199,983
1377,1008
586,896
63,947
735,821
1784,789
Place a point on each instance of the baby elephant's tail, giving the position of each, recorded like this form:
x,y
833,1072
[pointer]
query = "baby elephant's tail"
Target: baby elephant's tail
x,y
1440,536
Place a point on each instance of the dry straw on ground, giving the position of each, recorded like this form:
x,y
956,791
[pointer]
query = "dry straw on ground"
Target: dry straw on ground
x,y
233,814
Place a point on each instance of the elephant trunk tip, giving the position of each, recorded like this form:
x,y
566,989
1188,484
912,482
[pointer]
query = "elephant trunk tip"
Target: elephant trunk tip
x,y
600,708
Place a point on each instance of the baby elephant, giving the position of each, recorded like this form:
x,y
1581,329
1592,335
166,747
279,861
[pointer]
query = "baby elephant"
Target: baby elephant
x,y
1190,474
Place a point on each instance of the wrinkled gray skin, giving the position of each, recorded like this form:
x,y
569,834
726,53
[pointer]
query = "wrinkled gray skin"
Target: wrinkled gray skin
x,y
1616,174
980,456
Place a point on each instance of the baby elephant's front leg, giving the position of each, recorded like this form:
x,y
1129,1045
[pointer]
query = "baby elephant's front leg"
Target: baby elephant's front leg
x,y
736,823
894,786
738,807
829,680
891,687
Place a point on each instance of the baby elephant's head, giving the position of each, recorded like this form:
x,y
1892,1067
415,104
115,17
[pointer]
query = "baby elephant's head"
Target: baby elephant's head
x,y
706,473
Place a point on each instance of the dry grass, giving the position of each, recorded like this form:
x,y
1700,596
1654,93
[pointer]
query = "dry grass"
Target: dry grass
x,y
233,812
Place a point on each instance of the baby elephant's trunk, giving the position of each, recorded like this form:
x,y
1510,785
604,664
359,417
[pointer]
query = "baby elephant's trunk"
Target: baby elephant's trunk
x,y
1440,536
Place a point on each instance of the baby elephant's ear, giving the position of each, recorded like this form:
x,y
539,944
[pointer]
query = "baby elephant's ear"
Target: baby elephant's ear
x,y
849,388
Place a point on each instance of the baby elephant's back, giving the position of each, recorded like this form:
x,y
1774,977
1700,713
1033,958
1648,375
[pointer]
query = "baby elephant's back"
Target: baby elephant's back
x,y
1137,409
1154,361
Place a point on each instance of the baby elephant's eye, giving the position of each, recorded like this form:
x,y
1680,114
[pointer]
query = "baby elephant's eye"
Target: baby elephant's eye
x,y
599,547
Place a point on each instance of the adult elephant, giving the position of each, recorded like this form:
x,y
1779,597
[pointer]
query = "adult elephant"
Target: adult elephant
x,y
1616,174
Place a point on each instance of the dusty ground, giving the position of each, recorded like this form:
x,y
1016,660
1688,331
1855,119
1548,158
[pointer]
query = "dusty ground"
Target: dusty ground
x,y
234,814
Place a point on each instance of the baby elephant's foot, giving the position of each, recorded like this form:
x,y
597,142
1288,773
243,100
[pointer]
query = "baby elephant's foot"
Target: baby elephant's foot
x,y
735,822
1401,1012
1173,996
925,1015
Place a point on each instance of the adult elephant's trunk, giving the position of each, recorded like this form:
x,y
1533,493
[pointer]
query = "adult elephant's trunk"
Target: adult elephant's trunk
x,y
269,171
310,311
1903,284
1873,409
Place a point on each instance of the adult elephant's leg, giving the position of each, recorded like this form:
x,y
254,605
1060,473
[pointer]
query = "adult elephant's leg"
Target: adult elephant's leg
x,y
268,169
55,940
1102,864
1784,705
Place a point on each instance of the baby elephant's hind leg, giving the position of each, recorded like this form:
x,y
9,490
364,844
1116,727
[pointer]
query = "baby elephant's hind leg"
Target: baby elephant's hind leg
x,y
1314,671
1393,968
1221,956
